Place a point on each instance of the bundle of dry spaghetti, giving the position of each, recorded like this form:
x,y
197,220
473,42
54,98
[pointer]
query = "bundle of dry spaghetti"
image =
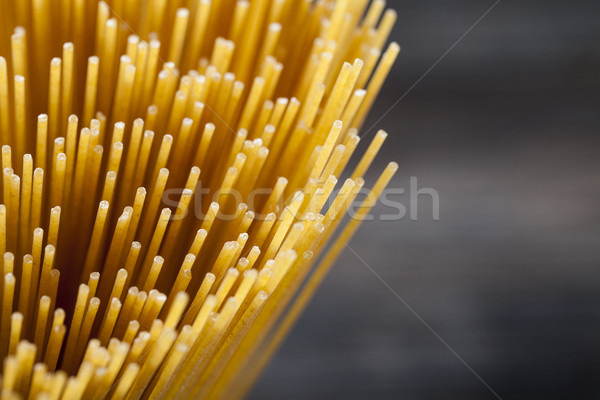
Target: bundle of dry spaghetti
x,y
170,198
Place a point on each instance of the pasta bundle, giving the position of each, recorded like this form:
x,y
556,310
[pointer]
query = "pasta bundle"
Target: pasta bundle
x,y
170,194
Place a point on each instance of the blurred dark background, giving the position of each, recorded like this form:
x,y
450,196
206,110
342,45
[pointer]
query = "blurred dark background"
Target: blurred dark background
x,y
506,129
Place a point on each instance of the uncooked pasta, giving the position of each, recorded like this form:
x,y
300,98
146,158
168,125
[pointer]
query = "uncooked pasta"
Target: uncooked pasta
x,y
171,187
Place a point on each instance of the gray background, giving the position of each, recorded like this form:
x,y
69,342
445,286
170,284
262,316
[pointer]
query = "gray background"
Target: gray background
x,y
505,128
